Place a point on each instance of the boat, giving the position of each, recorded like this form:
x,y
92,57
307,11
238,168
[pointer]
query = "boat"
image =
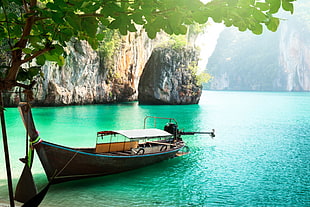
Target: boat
x,y
136,150
115,150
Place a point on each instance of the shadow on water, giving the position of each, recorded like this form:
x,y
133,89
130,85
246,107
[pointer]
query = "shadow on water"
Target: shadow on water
x,y
142,186
158,169
120,186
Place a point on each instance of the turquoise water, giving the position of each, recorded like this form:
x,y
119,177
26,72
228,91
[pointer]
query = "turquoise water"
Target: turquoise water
x,y
259,157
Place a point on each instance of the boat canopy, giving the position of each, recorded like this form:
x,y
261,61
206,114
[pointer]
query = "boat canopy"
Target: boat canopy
x,y
139,133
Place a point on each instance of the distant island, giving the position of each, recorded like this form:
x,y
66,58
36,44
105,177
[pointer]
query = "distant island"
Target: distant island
x,y
277,61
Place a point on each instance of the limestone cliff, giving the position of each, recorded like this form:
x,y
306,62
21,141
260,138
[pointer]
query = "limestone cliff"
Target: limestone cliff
x,y
88,77
169,79
294,58
270,62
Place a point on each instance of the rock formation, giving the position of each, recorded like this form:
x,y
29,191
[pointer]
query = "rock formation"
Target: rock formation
x,y
270,62
168,78
294,58
89,78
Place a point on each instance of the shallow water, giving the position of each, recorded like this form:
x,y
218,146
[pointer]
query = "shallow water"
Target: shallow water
x,y
259,157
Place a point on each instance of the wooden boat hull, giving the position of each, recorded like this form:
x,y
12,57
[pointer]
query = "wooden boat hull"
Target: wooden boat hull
x,y
64,164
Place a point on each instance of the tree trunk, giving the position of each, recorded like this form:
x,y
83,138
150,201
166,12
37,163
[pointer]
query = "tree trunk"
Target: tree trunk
x,y
6,153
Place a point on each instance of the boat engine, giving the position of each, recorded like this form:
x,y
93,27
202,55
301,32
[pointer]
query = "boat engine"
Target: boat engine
x,y
172,129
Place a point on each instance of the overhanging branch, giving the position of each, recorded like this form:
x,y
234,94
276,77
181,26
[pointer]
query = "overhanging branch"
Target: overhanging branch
x,y
38,53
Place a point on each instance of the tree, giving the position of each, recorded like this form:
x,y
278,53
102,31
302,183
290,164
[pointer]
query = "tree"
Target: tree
x,y
39,29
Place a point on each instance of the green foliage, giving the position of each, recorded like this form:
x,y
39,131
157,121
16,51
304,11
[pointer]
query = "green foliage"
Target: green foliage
x,y
38,29
176,42
110,41
201,77
29,73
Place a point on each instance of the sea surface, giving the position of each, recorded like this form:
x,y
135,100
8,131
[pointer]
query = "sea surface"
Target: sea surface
x,y
259,157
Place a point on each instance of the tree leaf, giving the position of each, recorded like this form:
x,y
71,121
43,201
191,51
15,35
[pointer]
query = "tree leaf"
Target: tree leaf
x,y
258,15
90,25
228,23
58,50
123,29
61,4
288,6
273,24
181,30
27,50
100,36
29,73
263,6
114,24
52,6
18,2
137,17
132,28
151,33
93,42
61,60
200,17
104,21
40,60
74,21
274,6
217,15
57,17
257,29
241,26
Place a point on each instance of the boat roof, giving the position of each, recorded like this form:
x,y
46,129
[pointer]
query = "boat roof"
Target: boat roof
x,y
139,133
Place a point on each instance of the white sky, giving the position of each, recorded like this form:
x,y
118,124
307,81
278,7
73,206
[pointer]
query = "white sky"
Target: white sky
x,y
207,42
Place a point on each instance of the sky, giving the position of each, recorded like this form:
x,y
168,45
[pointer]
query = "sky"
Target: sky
x,y
207,42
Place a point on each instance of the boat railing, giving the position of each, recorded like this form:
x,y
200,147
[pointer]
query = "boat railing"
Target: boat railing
x,y
155,120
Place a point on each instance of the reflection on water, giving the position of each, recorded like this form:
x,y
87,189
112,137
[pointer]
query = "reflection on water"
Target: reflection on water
x,y
259,157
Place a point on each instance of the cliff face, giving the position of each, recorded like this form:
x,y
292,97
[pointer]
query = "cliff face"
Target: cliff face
x,y
169,79
87,78
294,58
270,62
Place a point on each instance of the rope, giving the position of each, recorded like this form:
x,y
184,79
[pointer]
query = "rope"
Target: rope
x,y
36,141
67,164
30,152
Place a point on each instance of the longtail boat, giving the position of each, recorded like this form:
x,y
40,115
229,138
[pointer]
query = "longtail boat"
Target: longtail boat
x,y
115,151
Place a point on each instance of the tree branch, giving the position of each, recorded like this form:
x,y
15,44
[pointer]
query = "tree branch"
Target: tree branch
x,y
38,53
28,87
6,85
21,44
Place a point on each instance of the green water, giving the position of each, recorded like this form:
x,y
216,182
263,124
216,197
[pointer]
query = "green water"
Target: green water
x,y
259,157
